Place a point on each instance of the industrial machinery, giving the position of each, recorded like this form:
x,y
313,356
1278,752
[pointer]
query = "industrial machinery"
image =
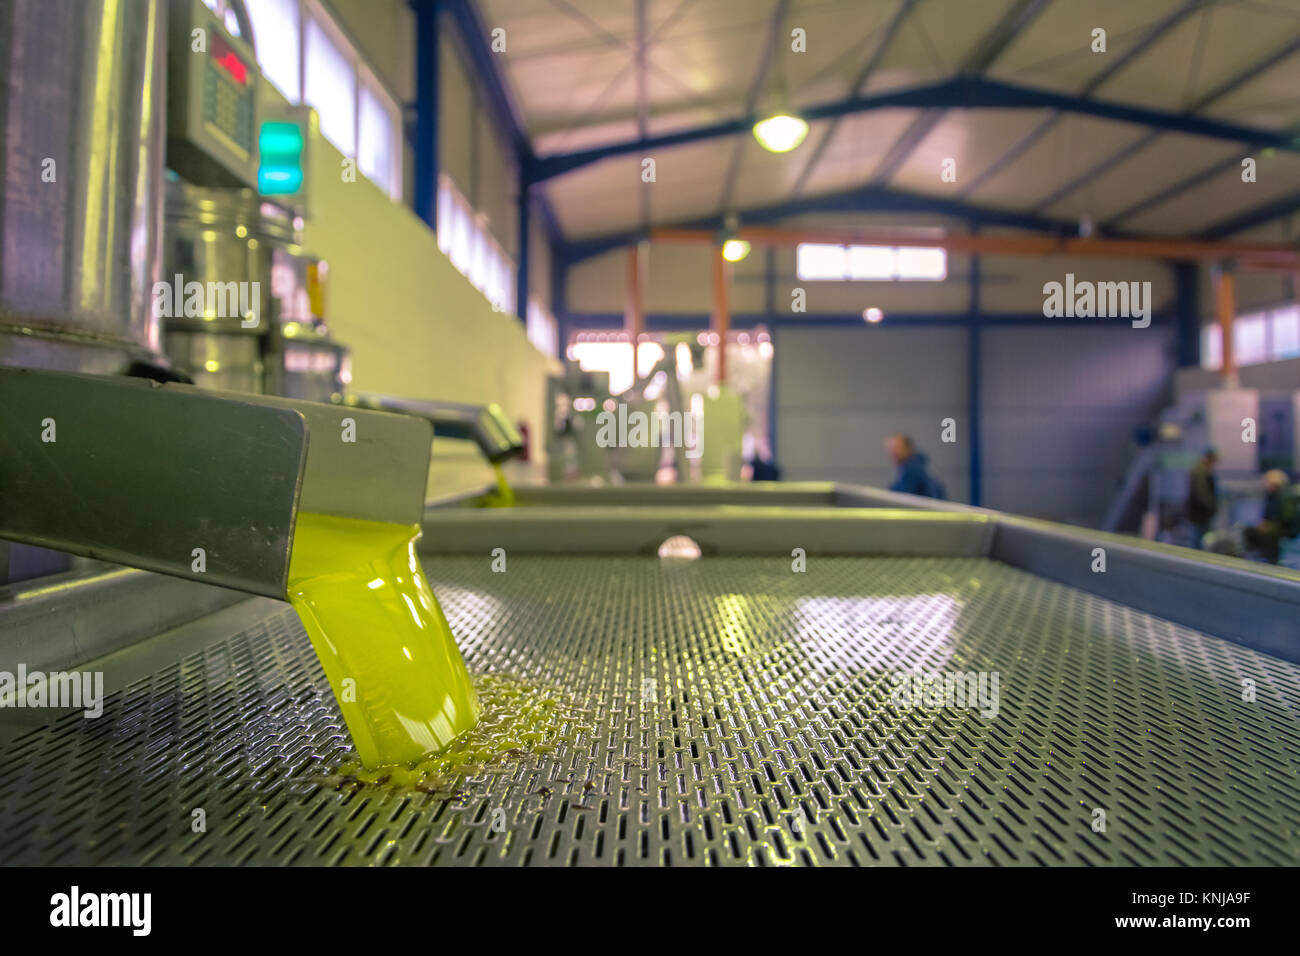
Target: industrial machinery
x,y
242,318
82,216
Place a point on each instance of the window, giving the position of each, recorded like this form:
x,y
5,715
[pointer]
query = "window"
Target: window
x,y
304,54
275,30
223,9
870,262
1211,346
330,85
542,330
377,150
1250,338
821,262
1286,332
1267,336
612,357
464,238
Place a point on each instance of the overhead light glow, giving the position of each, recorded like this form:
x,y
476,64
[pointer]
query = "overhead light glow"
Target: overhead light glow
x,y
780,133
733,250
873,314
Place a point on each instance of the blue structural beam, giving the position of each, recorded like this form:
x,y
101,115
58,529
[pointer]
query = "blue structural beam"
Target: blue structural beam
x,y
1015,21
866,199
968,92
1257,216
1285,51
425,143
1187,306
523,207
905,10
1169,192
1113,65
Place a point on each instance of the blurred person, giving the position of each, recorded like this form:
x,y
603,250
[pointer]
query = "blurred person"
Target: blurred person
x,y
1203,495
912,477
1280,519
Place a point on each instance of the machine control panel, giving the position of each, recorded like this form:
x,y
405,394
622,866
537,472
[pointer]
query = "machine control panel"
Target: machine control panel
x,y
212,93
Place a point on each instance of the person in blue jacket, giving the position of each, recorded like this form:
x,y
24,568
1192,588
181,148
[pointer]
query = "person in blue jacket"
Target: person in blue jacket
x,y
912,477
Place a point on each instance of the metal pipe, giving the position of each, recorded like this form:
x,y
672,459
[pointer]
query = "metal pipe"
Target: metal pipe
x,y
485,425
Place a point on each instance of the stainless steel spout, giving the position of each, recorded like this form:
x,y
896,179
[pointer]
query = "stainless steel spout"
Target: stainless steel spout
x,y
485,425
198,484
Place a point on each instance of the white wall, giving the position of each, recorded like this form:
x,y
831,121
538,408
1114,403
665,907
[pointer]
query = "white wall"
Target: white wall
x,y
471,150
842,391
416,326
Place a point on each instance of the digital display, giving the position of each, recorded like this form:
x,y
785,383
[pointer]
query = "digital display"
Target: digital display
x,y
225,57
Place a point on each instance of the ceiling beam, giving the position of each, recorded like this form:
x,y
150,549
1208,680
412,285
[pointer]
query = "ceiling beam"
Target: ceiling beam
x,y
643,96
1258,216
1169,192
900,16
959,92
860,200
1110,162
752,100
1144,43
1016,19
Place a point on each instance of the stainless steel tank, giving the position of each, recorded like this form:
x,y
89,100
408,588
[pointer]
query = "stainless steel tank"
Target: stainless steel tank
x,y
82,104
218,237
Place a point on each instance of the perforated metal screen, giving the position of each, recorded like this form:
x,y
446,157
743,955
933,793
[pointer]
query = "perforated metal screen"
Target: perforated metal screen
x,y
740,713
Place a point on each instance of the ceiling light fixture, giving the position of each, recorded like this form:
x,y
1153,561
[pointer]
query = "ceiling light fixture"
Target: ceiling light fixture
x,y
733,250
780,133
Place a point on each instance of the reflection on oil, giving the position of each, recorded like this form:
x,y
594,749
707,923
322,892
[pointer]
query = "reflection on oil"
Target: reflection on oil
x,y
519,720
382,639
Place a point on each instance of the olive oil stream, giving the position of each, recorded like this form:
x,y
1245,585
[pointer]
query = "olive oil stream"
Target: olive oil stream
x,y
382,639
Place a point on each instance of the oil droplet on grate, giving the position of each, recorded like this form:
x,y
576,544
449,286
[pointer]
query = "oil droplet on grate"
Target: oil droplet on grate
x,y
518,720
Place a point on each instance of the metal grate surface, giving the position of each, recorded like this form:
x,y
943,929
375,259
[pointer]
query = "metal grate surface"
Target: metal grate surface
x,y
767,737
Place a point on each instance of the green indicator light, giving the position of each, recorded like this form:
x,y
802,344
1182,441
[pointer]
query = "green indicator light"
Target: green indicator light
x,y
280,170
284,140
278,180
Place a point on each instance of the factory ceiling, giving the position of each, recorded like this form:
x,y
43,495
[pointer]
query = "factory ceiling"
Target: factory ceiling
x,y
1147,137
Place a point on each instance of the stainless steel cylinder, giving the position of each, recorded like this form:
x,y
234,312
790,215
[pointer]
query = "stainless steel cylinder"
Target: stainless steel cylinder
x,y
229,239
82,104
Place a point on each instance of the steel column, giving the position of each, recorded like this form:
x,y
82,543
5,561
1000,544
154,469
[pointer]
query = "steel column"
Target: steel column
x,y
425,191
